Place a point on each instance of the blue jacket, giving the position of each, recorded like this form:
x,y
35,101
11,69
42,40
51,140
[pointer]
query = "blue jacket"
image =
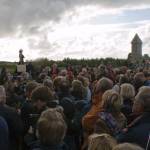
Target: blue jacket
x,y
147,83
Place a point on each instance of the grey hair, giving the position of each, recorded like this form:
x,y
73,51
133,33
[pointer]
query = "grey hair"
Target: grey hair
x,y
143,97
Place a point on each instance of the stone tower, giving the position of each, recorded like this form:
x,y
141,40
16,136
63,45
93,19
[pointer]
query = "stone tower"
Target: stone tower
x,y
136,48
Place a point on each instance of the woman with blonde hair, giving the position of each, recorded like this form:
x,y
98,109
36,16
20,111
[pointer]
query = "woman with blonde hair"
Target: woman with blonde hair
x,y
127,91
127,94
111,120
101,142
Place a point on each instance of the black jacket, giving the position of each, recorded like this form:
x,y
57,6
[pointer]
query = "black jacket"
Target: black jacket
x,y
26,110
126,108
4,141
14,123
138,132
38,146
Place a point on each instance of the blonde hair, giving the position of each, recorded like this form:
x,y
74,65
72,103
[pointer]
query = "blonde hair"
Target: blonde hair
x,y
127,91
2,95
111,101
101,142
51,127
127,146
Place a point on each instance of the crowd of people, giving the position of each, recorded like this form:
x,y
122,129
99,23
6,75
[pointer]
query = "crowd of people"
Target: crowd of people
x,y
101,108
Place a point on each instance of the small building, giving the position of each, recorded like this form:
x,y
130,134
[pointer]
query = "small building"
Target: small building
x,y
136,50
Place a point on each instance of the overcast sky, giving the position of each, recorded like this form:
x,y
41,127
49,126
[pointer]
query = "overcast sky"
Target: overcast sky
x,y
56,29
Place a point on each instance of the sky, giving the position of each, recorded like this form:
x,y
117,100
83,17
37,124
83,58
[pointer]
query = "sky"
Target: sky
x,y
58,29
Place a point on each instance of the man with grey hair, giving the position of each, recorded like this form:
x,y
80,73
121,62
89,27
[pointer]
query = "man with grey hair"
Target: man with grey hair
x,y
143,99
138,131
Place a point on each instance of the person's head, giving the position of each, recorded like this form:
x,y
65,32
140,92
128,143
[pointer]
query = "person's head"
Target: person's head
x,y
111,101
2,95
84,70
77,89
40,96
64,86
103,84
51,127
123,79
54,65
20,51
63,73
139,79
142,100
127,146
42,77
84,80
30,87
127,91
101,72
100,127
101,142
57,82
48,83
77,85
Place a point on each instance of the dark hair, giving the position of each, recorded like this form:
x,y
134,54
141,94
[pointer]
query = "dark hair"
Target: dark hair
x,y
31,86
123,79
64,86
42,93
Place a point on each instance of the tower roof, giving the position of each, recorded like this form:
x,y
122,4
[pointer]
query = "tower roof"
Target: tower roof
x,y
136,39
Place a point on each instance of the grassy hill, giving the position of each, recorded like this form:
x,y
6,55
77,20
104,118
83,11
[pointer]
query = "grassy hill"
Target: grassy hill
x,y
9,65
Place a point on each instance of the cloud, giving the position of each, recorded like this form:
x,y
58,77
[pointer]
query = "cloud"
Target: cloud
x,y
95,41
40,43
25,15
70,28
79,41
